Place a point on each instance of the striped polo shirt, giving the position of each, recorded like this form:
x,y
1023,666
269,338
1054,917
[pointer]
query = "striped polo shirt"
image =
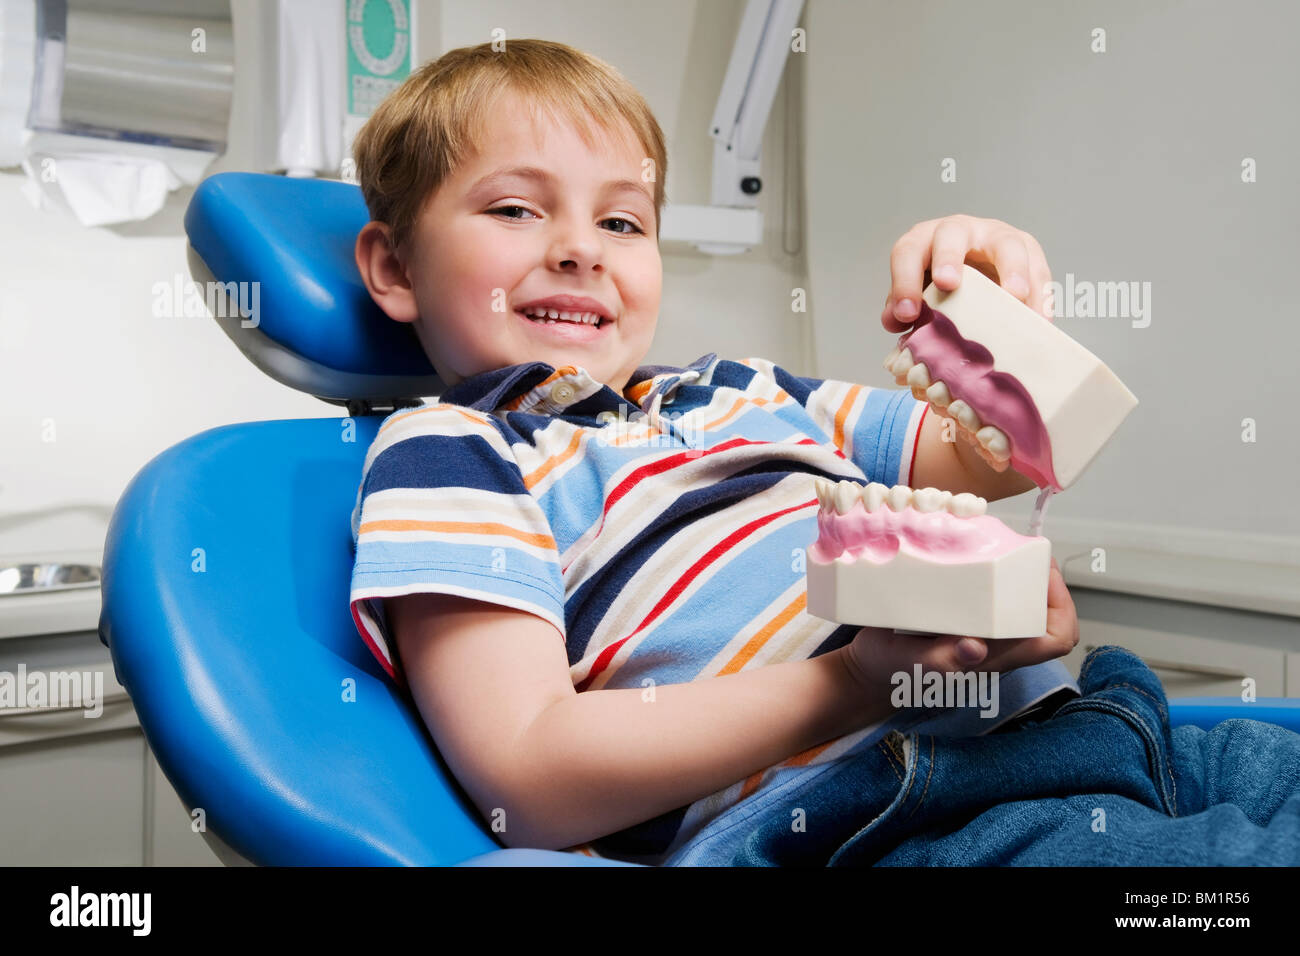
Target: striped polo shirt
x,y
662,531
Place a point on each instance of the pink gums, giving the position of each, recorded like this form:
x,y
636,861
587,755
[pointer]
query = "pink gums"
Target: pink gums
x,y
999,399
937,536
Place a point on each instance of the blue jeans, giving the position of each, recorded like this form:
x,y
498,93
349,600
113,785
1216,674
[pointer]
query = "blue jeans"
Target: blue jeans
x,y
1100,781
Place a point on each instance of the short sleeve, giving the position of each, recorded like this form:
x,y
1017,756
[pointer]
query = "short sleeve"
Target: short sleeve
x,y
875,428
442,507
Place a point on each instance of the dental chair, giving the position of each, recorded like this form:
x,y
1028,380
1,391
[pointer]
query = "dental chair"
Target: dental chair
x,y
228,562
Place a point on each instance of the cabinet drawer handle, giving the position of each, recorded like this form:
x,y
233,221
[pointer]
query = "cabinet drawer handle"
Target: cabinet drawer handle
x,y
1203,670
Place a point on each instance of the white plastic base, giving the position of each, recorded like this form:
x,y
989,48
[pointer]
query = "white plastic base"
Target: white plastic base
x,y
1002,597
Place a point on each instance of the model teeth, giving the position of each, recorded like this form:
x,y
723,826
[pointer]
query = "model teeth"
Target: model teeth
x,y
846,496
916,376
899,497
554,315
930,499
966,505
842,496
995,441
874,494
937,395
902,364
966,415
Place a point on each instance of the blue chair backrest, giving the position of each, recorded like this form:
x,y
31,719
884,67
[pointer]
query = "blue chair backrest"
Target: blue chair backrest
x,y
316,326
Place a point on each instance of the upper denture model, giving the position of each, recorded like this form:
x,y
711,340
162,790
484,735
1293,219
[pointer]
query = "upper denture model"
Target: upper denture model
x,y
1029,393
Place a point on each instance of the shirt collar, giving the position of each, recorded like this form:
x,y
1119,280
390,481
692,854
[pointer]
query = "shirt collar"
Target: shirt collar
x,y
528,385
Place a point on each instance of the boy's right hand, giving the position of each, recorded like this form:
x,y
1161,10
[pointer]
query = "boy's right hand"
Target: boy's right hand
x,y
878,653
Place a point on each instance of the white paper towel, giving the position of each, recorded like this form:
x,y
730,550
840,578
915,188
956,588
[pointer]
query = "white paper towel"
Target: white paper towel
x,y
312,45
99,188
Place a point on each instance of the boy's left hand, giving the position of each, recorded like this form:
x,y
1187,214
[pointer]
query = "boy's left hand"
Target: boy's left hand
x,y
1009,256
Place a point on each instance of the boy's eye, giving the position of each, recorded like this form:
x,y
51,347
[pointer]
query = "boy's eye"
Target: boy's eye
x,y
629,222
634,228
502,210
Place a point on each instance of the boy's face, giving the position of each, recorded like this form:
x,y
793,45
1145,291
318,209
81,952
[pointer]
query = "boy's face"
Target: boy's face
x,y
583,226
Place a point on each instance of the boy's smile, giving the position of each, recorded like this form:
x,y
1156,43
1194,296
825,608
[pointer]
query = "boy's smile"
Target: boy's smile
x,y
536,220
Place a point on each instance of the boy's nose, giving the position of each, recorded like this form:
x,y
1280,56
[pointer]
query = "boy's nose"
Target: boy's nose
x,y
575,247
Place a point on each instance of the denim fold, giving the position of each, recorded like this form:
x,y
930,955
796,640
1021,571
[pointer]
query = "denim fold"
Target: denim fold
x,y
1101,780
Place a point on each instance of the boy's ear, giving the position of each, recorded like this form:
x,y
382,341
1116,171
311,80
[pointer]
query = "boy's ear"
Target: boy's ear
x,y
384,275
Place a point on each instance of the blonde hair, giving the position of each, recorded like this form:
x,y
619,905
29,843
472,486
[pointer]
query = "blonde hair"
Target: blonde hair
x,y
422,131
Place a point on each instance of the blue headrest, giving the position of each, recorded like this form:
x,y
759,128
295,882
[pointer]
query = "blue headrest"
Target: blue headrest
x,y
295,238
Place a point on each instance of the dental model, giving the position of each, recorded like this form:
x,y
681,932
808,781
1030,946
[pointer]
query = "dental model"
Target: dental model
x,y
924,560
1028,393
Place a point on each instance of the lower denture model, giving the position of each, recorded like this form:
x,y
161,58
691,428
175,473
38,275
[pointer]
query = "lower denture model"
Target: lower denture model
x,y
928,560
924,560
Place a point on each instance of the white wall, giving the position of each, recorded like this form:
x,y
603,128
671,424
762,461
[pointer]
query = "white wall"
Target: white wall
x,y
1126,165
80,353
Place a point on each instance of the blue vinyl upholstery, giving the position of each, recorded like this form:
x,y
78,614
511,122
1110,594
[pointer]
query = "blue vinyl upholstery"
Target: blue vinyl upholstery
x,y
227,567
295,237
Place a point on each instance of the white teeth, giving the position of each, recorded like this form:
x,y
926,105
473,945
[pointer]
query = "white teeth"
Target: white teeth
x,y
964,414
966,505
937,395
874,494
899,497
846,496
930,499
825,490
843,496
995,440
916,375
587,318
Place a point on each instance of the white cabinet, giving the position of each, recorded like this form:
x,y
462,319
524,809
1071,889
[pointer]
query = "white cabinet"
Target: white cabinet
x,y
1189,666
73,801
84,791
1196,650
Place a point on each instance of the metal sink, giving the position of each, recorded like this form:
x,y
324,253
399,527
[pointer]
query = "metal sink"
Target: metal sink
x,y
44,577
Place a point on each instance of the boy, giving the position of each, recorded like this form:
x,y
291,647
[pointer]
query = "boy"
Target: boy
x,y
565,520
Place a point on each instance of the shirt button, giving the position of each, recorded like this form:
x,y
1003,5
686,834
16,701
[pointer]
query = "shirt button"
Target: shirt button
x,y
562,393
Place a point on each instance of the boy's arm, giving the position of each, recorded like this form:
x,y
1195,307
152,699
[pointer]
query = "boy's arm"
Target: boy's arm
x,y
559,768
956,466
